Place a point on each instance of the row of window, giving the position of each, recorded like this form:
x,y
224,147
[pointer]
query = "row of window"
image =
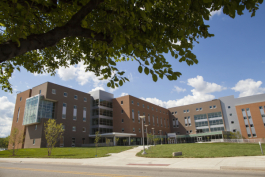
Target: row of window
x,y
147,107
74,112
65,94
197,109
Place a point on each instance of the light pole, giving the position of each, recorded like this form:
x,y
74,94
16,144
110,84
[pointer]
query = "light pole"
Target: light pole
x,y
160,137
142,117
146,133
153,135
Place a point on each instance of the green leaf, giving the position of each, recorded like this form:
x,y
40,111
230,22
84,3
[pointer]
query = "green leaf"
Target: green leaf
x,y
146,70
140,69
120,83
154,76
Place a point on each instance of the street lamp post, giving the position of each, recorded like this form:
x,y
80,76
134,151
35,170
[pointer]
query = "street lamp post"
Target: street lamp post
x,y
146,133
142,117
160,137
153,135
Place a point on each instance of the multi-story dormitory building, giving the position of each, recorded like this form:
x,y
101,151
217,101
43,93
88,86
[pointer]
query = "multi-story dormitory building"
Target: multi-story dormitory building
x,y
83,114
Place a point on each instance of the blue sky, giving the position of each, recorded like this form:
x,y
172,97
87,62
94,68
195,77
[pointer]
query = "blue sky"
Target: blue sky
x,y
230,63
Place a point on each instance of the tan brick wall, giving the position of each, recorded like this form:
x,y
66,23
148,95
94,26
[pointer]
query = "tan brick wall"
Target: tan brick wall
x,y
20,104
256,117
128,124
192,111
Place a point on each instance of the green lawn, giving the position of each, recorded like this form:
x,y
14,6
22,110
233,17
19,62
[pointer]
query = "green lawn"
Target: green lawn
x,y
203,150
65,152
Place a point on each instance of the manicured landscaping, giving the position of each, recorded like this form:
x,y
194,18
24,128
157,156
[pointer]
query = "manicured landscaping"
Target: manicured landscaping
x,y
203,150
65,152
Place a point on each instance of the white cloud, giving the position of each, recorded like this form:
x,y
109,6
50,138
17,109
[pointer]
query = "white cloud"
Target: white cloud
x,y
97,88
200,93
78,72
6,116
111,90
217,12
179,89
123,94
183,82
248,87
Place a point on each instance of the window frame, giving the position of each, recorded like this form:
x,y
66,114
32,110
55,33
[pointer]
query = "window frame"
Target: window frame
x,y
54,91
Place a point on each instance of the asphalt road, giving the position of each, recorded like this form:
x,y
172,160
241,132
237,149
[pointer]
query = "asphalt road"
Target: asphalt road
x,y
43,170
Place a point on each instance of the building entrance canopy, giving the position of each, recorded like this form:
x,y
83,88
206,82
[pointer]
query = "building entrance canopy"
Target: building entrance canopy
x,y
114,135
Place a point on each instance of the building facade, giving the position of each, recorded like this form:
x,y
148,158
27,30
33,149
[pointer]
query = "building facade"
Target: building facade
x,y
83,114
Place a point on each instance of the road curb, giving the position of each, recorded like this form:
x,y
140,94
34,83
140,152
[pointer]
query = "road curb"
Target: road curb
x,y
242,168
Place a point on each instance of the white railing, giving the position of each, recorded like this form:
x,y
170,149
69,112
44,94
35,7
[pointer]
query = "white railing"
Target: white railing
x,y
238,140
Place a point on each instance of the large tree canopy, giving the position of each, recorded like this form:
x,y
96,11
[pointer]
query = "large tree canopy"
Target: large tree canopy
x,y
41,35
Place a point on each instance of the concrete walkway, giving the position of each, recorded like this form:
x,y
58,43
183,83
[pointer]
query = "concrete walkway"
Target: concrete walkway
x,y
128,159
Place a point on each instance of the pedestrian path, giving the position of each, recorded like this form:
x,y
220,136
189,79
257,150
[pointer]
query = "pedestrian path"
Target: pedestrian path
x,y
129,159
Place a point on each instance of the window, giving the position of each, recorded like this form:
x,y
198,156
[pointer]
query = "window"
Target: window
x,y
186,125
230,114
184,111
132,101
85,99
73,142
232,122
243,109
83,140
156,109
20,98
84,129
36,126
139,130
249,135
65,94
122,130
63,127
75,97
229,107
122,111
245,117
187,132
247,109
152,108
254,135
247,126
172,113
74,129
40,92
176,112
143,105
211,107
214,106
249,117
133,129
160,111
122,121
18,114
251,125
197,109
33,141
53,91
234,130
84,114
190,131
137,103
188,110
147,107
200,109
121,102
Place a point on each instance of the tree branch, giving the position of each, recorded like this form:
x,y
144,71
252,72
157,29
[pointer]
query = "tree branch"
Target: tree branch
x,y
72,28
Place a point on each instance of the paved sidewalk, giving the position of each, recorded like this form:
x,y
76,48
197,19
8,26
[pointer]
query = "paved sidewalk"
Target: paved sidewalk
x,y
128,159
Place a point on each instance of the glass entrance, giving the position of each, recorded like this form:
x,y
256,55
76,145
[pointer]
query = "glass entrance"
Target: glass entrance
x,y
199,139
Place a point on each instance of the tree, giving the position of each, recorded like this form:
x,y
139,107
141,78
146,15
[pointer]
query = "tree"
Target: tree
x,y
15,139
236,135
97,138
150,138
102,32
116,140
53,132
124,141
156,140
4,142
108,142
